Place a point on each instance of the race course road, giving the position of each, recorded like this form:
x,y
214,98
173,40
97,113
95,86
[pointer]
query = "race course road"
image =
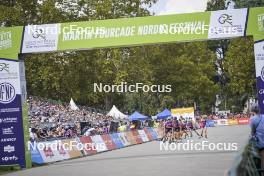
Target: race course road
x,y
147,159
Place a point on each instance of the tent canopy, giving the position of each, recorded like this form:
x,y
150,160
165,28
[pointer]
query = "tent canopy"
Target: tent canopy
x,y
137,116
164,114
114,112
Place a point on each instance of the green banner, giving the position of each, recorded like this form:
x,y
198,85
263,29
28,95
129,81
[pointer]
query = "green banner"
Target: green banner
x,y
10,42
134,31
256,23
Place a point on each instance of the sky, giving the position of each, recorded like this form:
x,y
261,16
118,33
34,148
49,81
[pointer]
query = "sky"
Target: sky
x,y
165,7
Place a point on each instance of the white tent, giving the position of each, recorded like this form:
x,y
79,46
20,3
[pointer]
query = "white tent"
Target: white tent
x,y
73,106
114,112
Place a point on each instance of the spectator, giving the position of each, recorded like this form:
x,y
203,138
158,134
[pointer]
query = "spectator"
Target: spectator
x,y
257,130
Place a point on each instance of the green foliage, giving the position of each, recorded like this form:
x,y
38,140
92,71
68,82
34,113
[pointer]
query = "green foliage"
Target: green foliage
x,y
188,67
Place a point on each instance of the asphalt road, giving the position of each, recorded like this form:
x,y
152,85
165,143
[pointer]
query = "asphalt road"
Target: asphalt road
x,y
147,159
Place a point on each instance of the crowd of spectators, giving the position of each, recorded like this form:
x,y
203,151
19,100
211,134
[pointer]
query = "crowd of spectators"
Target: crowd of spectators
x,y
49,119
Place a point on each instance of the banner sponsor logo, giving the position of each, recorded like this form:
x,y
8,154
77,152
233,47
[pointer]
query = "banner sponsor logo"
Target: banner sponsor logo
x,y
9,158
7,93
225,18
261,22
8,120
9,148
40,38
8,140
227,23
8,131
5,40
4,67
262,73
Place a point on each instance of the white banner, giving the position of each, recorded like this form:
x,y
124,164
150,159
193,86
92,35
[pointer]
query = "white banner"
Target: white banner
x,y
41,38
227,23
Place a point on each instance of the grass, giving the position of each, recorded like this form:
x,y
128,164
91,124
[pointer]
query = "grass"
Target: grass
x,y
8,169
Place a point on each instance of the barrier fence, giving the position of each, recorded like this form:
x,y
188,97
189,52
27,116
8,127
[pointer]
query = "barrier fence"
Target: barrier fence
x,y
247,162
107,142
93,145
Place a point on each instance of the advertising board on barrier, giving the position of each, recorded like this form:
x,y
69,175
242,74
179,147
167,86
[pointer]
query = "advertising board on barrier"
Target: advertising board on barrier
x,y
117,140
109,142
153,134
130,137
90,149
143,135
52,151
124,139
137,136
74,152
35,155
99,143
149,135
232,121
222,122
243,121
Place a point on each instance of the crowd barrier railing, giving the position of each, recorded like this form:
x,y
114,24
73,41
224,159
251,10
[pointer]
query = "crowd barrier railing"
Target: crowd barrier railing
x,y
53,151
106,142
247,163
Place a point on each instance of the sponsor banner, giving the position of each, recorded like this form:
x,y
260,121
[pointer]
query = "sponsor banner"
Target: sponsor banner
x,y
222,122
73,152
153,133
137,136
110,144
232,121
86,140
256,23
35,155
99,143
210,123
11,122
117,140
131,138
243,121
148,133
133,31
259,64
10,42
227,23
143,135
183,112
159,131
124,139
40,38
52,151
